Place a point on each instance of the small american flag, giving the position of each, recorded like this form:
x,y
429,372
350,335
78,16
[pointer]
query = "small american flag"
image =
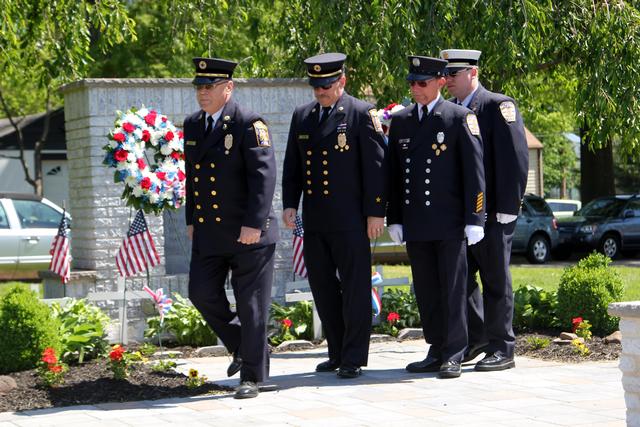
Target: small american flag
x,y
137,251
298,249
60,257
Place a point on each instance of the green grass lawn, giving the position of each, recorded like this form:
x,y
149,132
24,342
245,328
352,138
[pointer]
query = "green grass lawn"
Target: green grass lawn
x,y
547,278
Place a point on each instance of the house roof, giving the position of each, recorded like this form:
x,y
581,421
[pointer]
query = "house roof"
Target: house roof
x,y
532,141
31,127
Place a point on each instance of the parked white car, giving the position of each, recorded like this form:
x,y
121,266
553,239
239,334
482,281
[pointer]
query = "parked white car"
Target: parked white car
x,y
28,224
563,207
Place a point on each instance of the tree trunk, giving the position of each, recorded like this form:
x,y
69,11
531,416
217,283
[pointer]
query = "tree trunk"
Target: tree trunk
x,y
596,171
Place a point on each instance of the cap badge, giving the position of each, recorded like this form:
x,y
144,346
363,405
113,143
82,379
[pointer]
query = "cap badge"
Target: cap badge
x,y
416,62
202,65
440,137
316,68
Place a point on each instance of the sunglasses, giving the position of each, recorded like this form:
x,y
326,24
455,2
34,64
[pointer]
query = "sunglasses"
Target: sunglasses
x,y
208,86
327,87
420,83
453,73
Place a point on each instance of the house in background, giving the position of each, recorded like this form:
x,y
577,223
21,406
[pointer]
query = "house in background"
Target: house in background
x,y
54,155
535,177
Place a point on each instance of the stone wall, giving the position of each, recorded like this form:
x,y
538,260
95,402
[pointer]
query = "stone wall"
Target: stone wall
x,y
629,313
100,218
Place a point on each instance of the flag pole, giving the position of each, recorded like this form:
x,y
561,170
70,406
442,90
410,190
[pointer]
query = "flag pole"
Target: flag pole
x,y
64,211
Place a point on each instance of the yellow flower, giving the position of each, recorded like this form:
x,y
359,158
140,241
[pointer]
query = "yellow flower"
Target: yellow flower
x,y
193,373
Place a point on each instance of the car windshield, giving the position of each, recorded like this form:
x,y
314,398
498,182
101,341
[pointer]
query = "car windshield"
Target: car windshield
x,y
603,207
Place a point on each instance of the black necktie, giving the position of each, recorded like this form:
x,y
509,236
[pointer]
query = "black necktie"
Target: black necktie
x,y
324,114
425,111
207,131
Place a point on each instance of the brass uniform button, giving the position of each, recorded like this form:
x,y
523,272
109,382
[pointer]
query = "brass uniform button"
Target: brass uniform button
x,y
197,166
308,191
196,179
308,162
213,165
324,162
195,193
309,153
215,206
198,207
201,220
213,178
324,153
326,191
218,219
325,182
325,172
214,192
308,182
308,172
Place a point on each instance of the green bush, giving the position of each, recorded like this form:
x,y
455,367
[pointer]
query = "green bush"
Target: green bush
x,y
534,308
184,322
82,330
26,329
301,316
586,290
401,302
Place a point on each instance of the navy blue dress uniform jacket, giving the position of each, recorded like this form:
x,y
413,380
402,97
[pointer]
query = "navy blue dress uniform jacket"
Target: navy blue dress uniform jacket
x,y
231,177
338,165
506,155
437,179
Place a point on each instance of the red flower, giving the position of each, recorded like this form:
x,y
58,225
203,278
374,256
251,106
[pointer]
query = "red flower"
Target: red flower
x,y
390,106
168,136
180,134
119,137
150,118
175,155
128,127
287,323
141,164
161,175
145,183
146,136
164,119
55,368
393,317
121,155
116,353
49,356
181,175
576,322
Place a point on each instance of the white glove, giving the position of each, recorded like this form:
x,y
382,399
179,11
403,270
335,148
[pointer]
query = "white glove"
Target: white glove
x,y
505,218
474,234
395,232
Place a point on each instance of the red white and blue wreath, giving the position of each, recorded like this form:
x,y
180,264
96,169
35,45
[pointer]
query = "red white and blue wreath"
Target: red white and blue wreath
x,y
150,185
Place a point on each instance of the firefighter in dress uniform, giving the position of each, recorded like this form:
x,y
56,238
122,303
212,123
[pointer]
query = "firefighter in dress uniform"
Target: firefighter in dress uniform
x,y
231,177
436,198
506,165
335,161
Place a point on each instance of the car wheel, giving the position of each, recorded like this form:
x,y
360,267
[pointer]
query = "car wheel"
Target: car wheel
x,y
538,250
610,246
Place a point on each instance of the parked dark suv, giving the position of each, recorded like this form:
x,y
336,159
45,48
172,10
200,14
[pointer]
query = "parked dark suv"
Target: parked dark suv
x,y
536,232
610,225
535,235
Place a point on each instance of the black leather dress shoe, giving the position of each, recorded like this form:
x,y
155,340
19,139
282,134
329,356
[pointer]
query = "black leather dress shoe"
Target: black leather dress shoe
x,y
450,369
495,362
474,351
327,366
349,372
234,366
246,390
430,364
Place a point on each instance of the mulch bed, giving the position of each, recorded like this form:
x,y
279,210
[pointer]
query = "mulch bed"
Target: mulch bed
x,y
93,383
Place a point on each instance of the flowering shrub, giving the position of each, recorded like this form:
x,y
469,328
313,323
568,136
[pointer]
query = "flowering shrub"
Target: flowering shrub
x,y
50,370
293,322
390,327
580,347
581,328
195,380
150,187
119,362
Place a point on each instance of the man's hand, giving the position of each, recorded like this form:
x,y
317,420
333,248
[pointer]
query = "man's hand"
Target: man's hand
x,y
474,234
289,217
375,225
190,232
395,232
249,235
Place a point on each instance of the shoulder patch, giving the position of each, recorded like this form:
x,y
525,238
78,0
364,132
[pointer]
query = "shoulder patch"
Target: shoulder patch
x,y
375,120
262,134
508,111
472,123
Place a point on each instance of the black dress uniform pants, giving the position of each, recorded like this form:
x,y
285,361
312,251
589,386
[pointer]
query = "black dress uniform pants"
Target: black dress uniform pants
x,y
245,331
439,280
343,299
490,311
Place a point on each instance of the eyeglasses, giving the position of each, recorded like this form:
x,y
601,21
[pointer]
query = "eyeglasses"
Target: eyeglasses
x,y
453,73
209,86
420,83
327,87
